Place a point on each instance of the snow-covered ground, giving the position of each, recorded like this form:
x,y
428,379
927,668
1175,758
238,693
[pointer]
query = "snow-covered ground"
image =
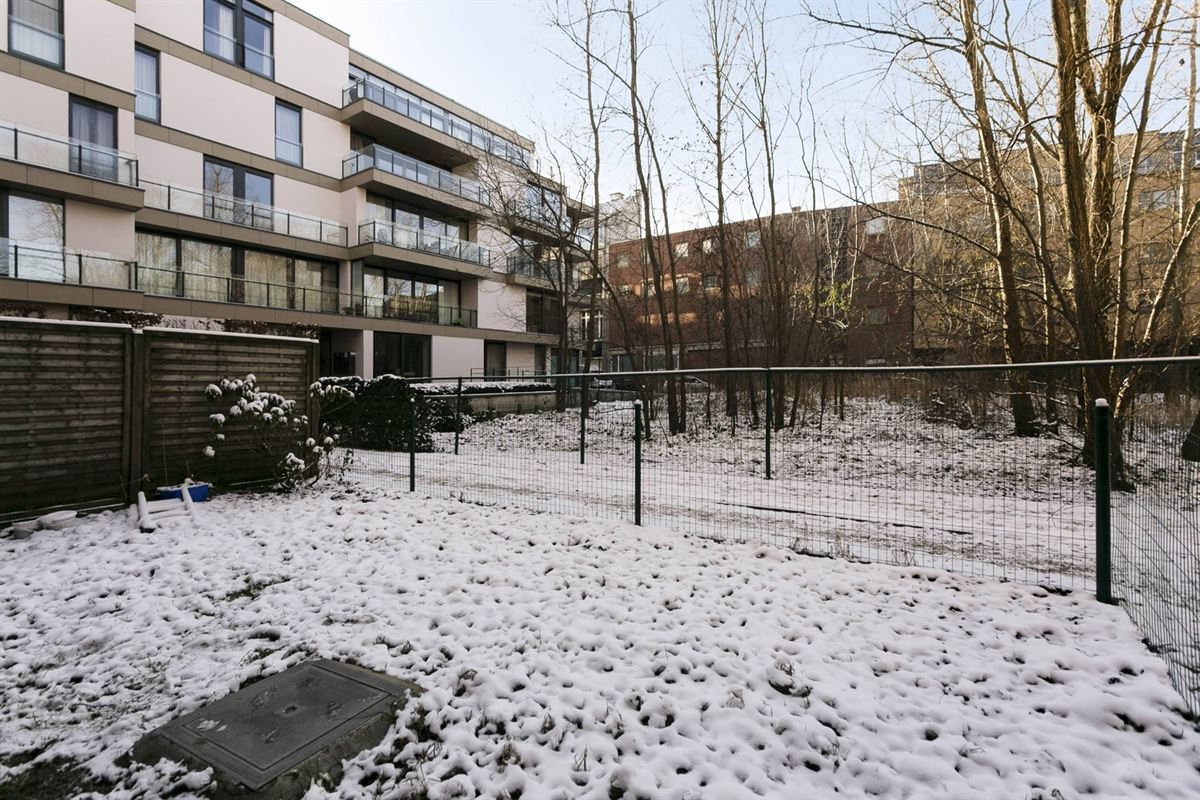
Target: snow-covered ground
x,y
883,484
580,658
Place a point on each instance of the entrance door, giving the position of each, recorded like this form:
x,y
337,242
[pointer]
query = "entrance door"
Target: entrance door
x,y
495,359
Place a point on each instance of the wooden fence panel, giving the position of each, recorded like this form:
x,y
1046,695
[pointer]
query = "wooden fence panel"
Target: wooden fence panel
x,y
90,413
175,419
64,412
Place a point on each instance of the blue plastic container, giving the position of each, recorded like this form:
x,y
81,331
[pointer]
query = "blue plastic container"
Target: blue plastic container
x,y
198,491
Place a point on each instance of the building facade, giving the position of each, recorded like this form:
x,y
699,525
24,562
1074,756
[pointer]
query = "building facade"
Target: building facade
x,y
235,164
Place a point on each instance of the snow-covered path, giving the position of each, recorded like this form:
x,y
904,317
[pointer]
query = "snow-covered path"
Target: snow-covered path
x,y
571,658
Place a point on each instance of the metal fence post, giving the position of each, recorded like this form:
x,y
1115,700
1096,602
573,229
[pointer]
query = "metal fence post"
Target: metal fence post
x,y
412,443
770,420
1103,458
583,415
637,462
457,415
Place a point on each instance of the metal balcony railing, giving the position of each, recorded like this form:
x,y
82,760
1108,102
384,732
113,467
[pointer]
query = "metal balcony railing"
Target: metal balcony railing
x,y
319,299
233,289
410,309
384,158
234,210
67,155
437,118
32,261
390,233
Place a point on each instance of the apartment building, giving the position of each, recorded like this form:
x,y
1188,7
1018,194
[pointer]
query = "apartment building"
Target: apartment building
x,y
237,165
815,288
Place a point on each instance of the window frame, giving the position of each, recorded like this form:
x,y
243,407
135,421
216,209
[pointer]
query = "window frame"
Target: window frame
x,y
62,38
157,118
239,35
76,163
299,143
756,235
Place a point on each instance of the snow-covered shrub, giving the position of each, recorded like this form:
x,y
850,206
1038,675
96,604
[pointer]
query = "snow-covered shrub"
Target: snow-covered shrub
x,y
275,427
379,416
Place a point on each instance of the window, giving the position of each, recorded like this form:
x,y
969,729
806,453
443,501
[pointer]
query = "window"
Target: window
x,y
495,359
877,315
35,30
405,354
875,226
542,313
414,219
753,238
708,246
288,146
681,249
237,194
710,283
622,259
241,32
31,237
624,289
682,285
145,78
752,279
1156,199
94,126
220,273
647,288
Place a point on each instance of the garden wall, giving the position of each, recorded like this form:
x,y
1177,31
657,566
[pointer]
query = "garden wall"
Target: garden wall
x,y
91,412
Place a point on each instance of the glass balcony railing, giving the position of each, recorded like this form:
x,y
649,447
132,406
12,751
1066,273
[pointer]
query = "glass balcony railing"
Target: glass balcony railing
x,y
395,235
67,155
232,289
216,288
426,113
234,210
40,262
379,157
411,309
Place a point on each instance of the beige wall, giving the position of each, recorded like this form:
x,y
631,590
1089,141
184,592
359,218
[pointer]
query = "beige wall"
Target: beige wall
x,y
452,356
326,143
304,198
501,305
309,62
519,356
33,105
203,103
99,42
99,229
181,20
167,163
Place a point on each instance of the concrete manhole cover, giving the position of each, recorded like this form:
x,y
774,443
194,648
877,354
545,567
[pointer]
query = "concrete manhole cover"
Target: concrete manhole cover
x,y
272,737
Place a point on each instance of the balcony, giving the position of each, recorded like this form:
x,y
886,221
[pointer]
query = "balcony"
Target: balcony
x,y
235,211
232,289
63,154
382,158
411,309
314,299
393,235
429,116
48,264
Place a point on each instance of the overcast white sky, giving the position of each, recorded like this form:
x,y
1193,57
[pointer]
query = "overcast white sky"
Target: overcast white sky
x,y
499,58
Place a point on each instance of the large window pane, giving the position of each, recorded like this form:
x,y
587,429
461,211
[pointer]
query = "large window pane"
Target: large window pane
x,y
35,29
208,268
219,30
35,240
157,270
145,76
288,146
94,127
257,194
266,279
311,291
258,47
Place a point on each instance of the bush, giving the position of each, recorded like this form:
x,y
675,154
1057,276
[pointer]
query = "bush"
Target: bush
x,y
378,416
